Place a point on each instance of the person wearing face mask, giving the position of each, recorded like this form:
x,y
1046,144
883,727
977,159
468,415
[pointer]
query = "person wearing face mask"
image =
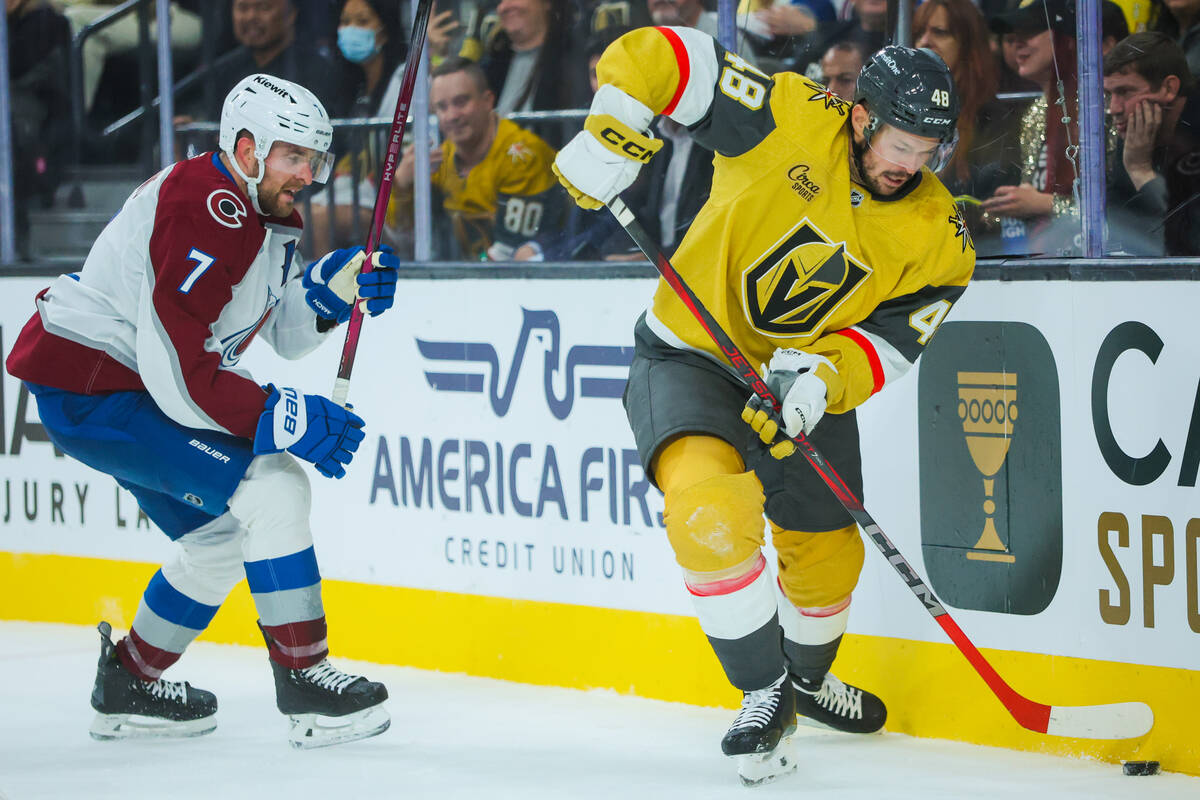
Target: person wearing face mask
x,y
371,45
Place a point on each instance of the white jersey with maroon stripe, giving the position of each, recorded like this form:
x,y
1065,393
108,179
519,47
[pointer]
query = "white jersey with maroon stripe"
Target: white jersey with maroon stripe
x,y
171,294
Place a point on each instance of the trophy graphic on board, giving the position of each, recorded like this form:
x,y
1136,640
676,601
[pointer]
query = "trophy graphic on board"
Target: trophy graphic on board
x,y
987,406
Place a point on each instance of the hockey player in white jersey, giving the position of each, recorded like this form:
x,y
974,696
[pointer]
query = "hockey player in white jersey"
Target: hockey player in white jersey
x,y
134,363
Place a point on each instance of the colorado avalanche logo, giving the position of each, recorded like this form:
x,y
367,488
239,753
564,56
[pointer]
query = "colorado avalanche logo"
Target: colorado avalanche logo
x,y
227,208
233,345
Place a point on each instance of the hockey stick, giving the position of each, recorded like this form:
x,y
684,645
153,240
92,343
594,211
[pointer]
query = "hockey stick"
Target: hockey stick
x,y
1110,721
341,386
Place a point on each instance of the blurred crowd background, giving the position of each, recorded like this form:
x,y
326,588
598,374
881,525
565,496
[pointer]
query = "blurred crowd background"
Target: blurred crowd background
x,y
509,83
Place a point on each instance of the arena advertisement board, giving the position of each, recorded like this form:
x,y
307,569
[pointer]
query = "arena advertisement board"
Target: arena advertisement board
x,y
498,462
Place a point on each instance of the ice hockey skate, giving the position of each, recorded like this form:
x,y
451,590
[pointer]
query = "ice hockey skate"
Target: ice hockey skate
x,y
327,706
838,705
759,735
127,706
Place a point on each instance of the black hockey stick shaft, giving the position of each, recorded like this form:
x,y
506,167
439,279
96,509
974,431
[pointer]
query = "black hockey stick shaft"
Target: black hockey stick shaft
x,y
391,159
1029,714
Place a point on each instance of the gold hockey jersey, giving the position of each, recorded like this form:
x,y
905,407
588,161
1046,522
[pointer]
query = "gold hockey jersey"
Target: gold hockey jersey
x,y
788,252
505,197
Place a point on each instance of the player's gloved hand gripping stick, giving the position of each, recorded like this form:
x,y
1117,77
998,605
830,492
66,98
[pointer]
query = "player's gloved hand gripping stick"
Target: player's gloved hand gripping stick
x,y
338,278
391,159
308,426
1110,721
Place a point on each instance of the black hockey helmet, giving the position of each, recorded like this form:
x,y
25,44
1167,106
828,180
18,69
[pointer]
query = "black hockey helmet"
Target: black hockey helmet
x,y
911,89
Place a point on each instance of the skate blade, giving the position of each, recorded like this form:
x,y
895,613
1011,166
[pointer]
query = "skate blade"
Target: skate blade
x,y
309,731
108,727
816,724
756,769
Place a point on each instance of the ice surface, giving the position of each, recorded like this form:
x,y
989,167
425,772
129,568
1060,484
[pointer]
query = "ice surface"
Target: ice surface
x,y
454,736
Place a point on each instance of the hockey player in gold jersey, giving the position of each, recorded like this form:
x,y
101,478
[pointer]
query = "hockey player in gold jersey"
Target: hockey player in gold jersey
x,y
829,250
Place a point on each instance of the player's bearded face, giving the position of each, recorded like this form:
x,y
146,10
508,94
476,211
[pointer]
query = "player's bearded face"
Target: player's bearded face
x,y
289,168
892,158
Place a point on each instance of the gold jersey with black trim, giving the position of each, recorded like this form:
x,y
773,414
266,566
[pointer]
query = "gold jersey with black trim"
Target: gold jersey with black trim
x,y
788,251
506,197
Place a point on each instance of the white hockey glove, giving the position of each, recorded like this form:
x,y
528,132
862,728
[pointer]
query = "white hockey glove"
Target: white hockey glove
x,y
792,377
606,156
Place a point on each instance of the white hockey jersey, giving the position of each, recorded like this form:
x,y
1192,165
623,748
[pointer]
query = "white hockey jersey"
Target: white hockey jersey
x,y
171,294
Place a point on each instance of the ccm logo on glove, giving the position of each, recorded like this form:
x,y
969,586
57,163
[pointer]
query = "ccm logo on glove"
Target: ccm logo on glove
x,y
630,148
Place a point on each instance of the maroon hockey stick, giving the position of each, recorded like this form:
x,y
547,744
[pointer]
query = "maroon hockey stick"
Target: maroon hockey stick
x,y
341,386
1110,721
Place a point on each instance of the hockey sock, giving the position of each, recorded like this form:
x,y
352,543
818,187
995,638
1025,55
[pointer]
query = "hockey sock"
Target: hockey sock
x,y
811,637
167,621
738,616
287,594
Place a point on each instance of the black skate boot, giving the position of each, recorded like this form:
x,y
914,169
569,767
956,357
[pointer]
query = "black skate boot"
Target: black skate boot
x,y
327,706
839,705
767,718
128,706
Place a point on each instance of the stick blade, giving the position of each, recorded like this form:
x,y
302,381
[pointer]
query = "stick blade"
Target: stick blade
x,y
1112,721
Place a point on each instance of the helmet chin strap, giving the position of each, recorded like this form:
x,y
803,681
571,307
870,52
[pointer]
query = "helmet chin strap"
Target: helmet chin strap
x,y
251,183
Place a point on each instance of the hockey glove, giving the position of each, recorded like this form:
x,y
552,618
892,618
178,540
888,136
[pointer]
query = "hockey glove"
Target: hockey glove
x,y
606,156
310,427
334,280
792,377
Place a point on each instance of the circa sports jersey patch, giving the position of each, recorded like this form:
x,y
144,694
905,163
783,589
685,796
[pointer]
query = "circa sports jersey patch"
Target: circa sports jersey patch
x,y
960,229
802,184
227,208
793,287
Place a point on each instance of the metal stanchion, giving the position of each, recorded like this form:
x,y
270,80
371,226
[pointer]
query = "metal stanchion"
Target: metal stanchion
x,y
8,224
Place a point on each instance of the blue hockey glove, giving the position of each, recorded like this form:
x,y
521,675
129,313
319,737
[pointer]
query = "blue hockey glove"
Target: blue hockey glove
x,y
310,427
334,280
377,288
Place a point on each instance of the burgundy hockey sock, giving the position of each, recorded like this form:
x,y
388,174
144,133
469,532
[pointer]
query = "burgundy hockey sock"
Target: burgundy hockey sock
x,y
297,645
142,659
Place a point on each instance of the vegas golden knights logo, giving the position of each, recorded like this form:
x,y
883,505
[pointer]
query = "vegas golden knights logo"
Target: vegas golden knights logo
x,y
793,288
991,467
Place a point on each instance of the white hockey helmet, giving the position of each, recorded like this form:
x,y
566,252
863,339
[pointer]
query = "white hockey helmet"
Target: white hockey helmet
x,y
275,110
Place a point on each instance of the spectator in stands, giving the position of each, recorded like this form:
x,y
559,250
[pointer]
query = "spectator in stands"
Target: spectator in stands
x,y
371,45
1154,177
987,153
444,28
1180,19
789,17
840,67
38,41
266,33
1008,80
497,187
1114,25
527,61
121,36
684,13
866,27
586,235
1038,214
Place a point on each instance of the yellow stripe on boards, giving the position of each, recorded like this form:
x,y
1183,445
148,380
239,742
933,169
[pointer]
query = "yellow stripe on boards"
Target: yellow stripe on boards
x,y
930,689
